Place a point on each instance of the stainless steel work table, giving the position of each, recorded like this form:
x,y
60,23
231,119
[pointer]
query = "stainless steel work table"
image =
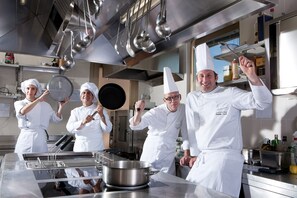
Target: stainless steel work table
x,y
18,181
281,184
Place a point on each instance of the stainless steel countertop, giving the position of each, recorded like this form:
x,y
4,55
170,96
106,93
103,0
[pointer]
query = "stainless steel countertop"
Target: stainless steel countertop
x,y
18,181
285,183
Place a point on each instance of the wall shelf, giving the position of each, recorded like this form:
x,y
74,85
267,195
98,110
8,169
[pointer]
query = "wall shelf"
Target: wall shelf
x,y
43,69
257,49
13,96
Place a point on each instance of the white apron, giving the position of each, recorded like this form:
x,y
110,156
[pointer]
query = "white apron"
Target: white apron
x,y
224,174
31,141
162,156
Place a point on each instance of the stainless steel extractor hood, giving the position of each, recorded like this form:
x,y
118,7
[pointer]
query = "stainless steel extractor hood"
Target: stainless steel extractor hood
x,y
150,69
34,26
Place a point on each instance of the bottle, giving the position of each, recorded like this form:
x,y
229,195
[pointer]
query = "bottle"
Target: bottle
x,y
275,142
235,69
284,146
294,149
9,58
227,73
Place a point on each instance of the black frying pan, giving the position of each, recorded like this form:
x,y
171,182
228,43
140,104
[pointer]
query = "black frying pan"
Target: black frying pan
x,y
112,96
60,88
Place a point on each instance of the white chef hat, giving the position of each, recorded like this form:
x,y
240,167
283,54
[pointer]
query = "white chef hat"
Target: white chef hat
x,y
168,81
34,82
92,88
203,58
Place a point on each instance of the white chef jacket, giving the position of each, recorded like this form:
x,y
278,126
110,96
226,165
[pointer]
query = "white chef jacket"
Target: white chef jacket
x,y
90,137
214,123
160,145
33,126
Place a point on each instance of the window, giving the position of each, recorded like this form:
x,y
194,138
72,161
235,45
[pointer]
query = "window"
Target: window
x,y
219,64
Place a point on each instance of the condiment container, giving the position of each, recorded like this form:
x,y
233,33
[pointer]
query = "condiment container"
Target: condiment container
x,y
9,58
235,69
227,73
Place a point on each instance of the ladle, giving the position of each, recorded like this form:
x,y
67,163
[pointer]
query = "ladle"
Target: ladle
x,y
100,4
138,38
128,45
94,7
68,58
89,33
117,39
162,28
147,44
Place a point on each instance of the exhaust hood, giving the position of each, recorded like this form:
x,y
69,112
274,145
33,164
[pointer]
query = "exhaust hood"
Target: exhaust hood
x,y
150,69
35,28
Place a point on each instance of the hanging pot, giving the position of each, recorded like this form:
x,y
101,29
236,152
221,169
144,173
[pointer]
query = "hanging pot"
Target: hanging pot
x,y
60,88
112,96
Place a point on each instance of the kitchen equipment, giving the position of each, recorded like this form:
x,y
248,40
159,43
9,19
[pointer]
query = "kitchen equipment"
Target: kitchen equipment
x,y
112,96
117,39
60,88
275,159
225,47
128,26
147,44
162,28
251,156
138,38
68,59
126,173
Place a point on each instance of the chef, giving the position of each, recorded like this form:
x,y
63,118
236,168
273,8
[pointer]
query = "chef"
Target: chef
x,y
34,115
89,121
213,121
164,123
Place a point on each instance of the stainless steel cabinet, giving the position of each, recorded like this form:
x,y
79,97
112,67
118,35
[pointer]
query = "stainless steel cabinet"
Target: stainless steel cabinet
x,y
282,36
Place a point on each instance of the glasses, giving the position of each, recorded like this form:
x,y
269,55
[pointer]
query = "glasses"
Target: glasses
x,y
172,98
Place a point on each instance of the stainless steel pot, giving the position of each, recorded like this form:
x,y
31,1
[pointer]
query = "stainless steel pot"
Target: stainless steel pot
x,y
126,173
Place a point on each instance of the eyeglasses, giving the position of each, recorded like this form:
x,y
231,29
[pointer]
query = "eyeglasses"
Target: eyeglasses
x,y
172,98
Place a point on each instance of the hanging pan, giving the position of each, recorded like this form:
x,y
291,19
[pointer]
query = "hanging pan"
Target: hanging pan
x,y
60,88
112,96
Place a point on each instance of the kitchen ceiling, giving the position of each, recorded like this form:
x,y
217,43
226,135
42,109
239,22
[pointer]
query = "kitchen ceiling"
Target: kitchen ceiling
x,y
35,27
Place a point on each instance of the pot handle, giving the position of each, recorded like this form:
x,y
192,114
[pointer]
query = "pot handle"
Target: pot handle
x,y
152,172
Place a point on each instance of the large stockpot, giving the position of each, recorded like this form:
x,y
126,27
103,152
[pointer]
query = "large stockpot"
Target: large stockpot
x,y
126,173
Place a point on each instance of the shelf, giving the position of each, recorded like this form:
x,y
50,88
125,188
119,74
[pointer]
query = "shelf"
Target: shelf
x,y
13,96
257,49
242,79
45,69
9,65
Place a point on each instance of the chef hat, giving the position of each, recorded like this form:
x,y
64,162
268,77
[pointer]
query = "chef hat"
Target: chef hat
x,y
92,88
169,83
34,82
203,58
